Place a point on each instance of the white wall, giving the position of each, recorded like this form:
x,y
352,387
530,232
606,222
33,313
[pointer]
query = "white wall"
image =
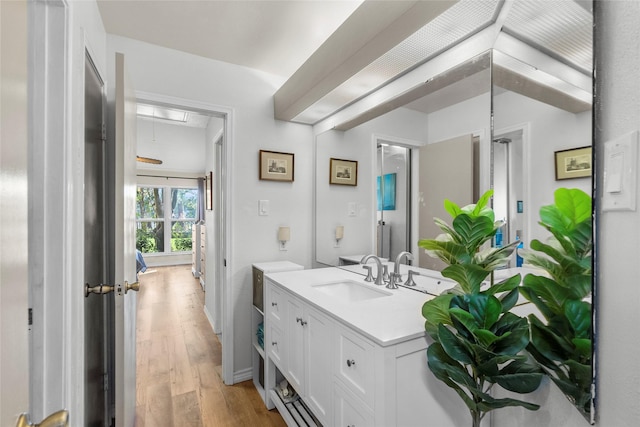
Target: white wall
x,y
249,93
618,297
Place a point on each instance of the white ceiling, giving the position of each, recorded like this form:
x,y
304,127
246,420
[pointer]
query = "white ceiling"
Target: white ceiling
x,y
272,36
280,37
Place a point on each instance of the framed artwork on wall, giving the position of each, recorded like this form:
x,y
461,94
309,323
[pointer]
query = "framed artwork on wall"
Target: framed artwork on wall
x,y
275,166
343,172
573,163
208,194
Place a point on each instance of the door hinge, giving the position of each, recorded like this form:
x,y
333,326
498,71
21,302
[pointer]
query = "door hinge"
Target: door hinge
x,y
105,382
224,262
104,132
30,316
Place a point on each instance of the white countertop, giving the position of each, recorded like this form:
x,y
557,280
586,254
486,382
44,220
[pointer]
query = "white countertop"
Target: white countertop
x,y
386,320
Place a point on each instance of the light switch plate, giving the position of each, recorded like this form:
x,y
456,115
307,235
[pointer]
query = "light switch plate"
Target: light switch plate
x,y
352,208
620,173
263,207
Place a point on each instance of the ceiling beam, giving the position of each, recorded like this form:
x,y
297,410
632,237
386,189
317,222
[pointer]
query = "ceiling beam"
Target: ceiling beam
x,y
372,30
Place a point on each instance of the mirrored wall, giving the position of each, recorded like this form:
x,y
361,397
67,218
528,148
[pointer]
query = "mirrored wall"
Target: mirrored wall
x,y
510,111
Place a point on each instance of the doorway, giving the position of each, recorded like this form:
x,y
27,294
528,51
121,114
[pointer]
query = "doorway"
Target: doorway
x,y
218,305
393,200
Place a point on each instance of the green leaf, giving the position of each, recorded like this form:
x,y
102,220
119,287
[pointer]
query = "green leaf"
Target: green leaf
x,y
485,309
436,311
583,348
490,403
550,345
579,315
504,286
468,276
440,364
483,201
452,208
513,332
485,337
454,347
465,319
509,300
474,231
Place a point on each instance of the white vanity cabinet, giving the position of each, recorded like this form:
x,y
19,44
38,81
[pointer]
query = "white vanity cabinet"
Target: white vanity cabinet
x,y
307,346
357,364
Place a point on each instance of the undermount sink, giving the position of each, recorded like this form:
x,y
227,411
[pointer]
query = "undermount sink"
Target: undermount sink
x,y
350,291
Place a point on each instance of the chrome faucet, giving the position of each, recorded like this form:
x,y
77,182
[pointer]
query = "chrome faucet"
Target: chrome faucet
x,y
378,263
397,277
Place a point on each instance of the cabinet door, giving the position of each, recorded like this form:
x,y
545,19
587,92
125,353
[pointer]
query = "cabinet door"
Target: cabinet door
x,y
275,306
294,351
355,364
275,345
319,376
348,411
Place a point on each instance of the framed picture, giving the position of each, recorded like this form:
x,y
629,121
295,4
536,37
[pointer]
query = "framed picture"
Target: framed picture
x,y
573,163
276,166
209,191
343,172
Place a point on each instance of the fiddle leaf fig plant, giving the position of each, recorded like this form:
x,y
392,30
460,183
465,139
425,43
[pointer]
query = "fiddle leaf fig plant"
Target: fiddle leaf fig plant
x,y
562,343
478,342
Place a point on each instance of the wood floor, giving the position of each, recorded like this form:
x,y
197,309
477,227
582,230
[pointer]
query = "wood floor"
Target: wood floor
x,y
179,361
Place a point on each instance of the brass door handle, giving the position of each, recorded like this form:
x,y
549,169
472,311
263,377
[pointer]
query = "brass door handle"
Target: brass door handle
x,y
99,289
57,419
135,286
105,289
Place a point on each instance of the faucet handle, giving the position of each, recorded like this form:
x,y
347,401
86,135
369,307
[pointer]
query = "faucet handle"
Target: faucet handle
x,y
410,281
385,273
369,277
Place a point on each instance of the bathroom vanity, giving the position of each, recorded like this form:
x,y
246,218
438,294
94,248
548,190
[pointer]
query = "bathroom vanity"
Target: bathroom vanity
x,y
354,352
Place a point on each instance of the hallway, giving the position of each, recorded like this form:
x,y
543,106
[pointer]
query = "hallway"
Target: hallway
x,y
179,360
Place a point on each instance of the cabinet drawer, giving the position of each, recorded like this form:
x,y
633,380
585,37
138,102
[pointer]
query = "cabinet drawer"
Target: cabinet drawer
x,y
276,306
275,346
355,365
348,411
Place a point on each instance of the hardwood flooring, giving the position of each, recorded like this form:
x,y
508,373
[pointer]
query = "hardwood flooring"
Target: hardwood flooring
x,y
179,361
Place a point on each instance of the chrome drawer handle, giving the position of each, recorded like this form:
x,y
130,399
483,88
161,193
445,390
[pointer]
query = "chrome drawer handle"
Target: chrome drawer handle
x,y
351,362
274,342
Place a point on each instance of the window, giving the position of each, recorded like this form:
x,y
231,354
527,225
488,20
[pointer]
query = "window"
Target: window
x,y
156,213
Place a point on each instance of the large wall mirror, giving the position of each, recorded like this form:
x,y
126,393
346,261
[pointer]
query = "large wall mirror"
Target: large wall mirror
x,y
501,115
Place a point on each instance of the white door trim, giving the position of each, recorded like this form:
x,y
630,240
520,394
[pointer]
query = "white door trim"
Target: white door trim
x,y
227,149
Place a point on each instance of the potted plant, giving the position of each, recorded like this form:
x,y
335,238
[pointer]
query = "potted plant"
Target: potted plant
x,y
562,343
477,341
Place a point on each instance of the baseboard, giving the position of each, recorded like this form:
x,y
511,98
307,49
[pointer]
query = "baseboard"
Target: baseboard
x,y
209,318
243,375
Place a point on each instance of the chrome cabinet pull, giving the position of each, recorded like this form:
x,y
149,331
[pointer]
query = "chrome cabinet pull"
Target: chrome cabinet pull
x,y
351,362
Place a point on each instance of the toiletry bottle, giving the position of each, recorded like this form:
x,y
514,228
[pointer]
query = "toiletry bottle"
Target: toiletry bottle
x,y
499,238
518,257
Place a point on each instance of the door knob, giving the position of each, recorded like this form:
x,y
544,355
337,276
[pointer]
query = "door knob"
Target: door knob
x,y
105,289
99,289
135,286
57,419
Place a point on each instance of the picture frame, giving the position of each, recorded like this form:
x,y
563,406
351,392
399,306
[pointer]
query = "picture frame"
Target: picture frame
x,y
209,191
573,163
276,166
343,172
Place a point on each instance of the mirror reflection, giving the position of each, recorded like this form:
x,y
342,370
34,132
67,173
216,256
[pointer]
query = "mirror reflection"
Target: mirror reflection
x,y
503,123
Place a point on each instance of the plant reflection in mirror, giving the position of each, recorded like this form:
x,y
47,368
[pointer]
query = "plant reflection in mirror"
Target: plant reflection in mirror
x,y
563,344
478,342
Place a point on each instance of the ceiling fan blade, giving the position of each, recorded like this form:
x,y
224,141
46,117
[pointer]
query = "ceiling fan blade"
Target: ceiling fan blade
x,y
148,160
